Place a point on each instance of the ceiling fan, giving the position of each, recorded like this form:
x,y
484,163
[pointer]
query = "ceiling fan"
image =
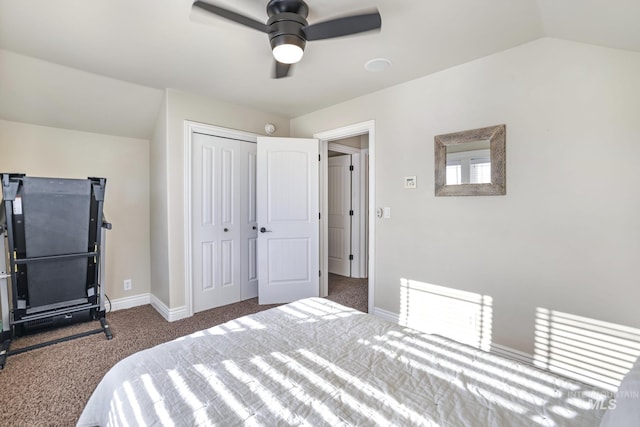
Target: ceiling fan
x,y
289,30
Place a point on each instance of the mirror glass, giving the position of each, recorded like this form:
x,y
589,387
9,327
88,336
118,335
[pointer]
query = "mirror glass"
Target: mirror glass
x,y
471,163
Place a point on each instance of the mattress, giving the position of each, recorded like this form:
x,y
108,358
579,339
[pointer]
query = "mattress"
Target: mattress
x,y
317,363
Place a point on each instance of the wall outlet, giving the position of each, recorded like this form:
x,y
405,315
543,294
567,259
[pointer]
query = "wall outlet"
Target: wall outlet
x,y
127,284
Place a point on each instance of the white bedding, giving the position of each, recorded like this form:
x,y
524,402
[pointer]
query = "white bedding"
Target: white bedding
x,y
317,363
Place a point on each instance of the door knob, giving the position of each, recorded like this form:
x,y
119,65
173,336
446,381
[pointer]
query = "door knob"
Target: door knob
x,y
226,229
264,230
254,227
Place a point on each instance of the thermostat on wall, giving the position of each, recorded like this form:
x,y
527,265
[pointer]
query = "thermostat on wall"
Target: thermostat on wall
x,y
410,182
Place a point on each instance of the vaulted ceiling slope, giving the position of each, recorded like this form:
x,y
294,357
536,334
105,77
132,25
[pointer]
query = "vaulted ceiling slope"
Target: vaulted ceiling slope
x,y
101,65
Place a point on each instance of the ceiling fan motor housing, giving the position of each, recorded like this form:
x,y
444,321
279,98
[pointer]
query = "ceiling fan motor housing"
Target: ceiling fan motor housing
x,y
286,20
299,7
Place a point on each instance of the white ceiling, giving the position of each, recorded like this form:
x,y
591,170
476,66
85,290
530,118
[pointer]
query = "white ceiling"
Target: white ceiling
x,y
162,44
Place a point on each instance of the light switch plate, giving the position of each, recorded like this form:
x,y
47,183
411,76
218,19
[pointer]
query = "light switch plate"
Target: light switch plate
x,y
410,182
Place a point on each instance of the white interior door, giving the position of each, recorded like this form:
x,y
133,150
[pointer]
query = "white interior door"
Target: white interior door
x,y
220,221
288,210
339,218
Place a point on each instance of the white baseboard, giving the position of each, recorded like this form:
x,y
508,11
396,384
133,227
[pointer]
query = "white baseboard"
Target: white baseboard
x,y
170,314
386,315
498,349
130,302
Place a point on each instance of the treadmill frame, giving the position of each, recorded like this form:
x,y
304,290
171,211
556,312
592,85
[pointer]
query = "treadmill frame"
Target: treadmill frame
x,y
16,317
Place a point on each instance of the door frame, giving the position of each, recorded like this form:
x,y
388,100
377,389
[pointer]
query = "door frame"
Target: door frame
x,y
325,138
189,129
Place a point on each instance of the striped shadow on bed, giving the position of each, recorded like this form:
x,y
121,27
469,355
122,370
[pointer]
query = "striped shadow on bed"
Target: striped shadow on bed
x,y
317,363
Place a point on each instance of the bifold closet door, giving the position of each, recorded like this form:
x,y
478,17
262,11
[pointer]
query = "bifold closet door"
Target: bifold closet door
x,y
221,226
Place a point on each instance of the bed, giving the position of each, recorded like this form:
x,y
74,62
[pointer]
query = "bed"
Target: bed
x,y
317,363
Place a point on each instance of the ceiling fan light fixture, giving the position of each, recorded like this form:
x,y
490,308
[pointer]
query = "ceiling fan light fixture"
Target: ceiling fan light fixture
x,y
288,53
287,49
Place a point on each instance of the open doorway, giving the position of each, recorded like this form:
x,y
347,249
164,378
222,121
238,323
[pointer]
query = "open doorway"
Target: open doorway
x,y
346,226
346,218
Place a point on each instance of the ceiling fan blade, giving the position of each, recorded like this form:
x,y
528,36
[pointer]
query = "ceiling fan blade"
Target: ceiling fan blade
x,y
281,70
344,26
232,16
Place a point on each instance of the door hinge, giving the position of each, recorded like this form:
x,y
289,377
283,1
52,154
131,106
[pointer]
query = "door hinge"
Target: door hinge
x,y
319,215
318,157
319,273
351,168
350,257
351,212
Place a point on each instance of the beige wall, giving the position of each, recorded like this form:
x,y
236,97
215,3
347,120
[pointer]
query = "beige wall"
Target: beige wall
x,y
159,208
51,152
565,237
567,234
180,107
41,92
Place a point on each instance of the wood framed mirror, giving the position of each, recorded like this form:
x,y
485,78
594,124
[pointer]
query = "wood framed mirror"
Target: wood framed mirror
x,y
471,163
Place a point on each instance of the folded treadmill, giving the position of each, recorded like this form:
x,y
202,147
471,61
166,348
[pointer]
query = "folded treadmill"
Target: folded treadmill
x,y
53,238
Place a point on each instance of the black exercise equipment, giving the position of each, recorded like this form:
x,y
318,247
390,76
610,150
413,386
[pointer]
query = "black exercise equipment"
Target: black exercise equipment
x,y
52,236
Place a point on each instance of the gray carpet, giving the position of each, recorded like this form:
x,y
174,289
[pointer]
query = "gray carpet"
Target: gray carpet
x,y
49,386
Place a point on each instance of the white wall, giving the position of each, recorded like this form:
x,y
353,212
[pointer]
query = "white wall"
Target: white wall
x,y
567,234
51,152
